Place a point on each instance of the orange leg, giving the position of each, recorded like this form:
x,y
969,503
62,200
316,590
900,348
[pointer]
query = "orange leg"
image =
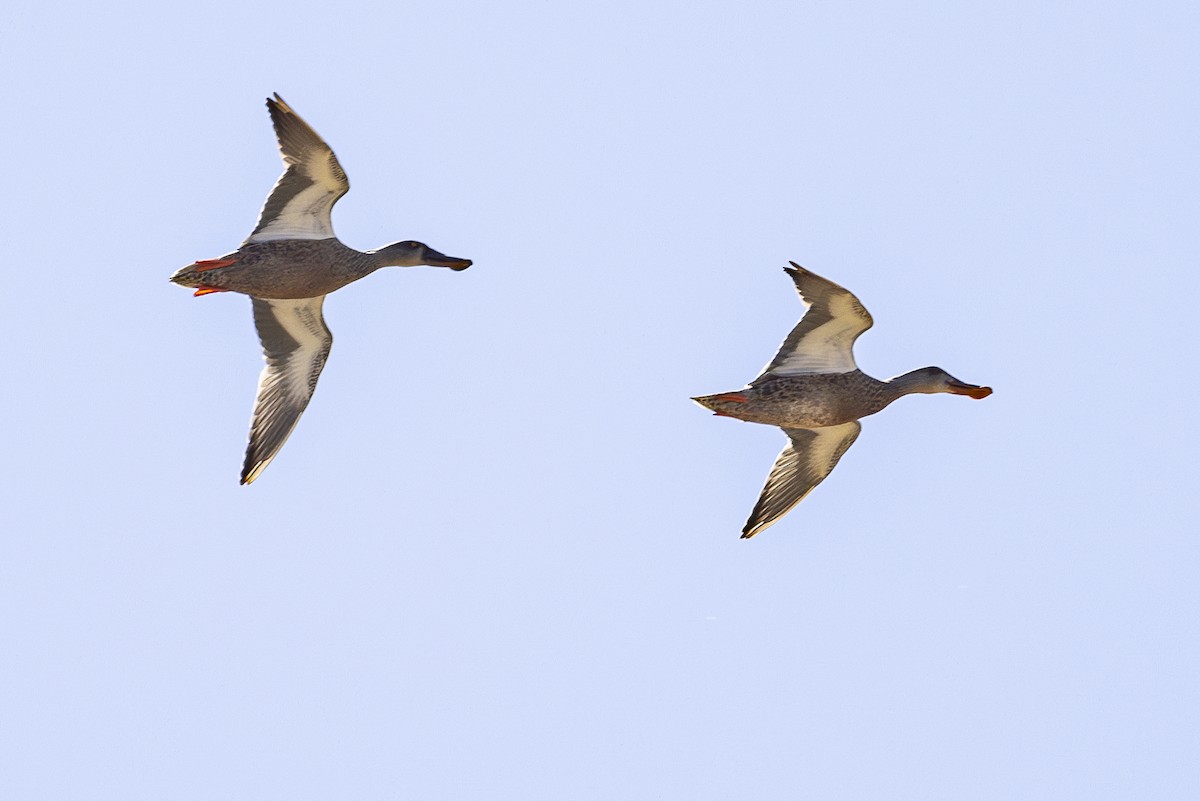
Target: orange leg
x,y
207,290
212,264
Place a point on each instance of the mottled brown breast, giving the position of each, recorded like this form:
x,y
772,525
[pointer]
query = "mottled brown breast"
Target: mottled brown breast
x,y
814,400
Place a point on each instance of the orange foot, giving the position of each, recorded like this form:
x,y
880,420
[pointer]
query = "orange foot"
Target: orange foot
x,y
212,264
732,397
207,290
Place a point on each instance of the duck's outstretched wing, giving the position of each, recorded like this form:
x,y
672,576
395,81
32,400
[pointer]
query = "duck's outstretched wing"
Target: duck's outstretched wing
x,y
295,343
823,341
302,200
808,458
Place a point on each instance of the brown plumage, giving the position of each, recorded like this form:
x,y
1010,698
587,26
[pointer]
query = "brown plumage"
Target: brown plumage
x,y
304,268
287,265
815,392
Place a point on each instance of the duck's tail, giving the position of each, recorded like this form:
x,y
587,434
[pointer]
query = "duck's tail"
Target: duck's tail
x,y
197,275
720,404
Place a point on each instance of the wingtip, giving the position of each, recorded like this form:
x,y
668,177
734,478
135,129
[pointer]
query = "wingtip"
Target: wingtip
x,y
747,535
250,473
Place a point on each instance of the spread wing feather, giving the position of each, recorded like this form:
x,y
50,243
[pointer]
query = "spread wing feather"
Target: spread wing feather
x,y
299,206
810,456
823,340
295,343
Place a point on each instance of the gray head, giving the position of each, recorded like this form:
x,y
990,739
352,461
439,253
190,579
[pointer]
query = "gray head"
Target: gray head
x,y
415,254
934,379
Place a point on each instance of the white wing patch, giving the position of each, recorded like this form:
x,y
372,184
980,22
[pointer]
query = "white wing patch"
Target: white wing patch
x,y
306,216
828,347
310,190
809,456
296,344
828,446
312,182
303,323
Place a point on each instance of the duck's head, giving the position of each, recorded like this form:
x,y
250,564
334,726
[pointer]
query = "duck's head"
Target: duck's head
x,y
415,254
934,379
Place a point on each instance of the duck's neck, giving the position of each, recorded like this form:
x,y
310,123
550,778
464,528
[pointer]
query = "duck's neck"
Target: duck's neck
x,y
397,254
385,258
365,262
911,382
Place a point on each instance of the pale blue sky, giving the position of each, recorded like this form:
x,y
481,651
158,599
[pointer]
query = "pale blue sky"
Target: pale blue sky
x,y
499,559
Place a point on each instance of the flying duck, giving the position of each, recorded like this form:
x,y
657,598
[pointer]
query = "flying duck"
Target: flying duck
x,y
287,266
815,392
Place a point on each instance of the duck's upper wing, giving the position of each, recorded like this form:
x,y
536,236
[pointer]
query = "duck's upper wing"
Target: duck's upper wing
x,y
295,343
823,340
804,463
299,205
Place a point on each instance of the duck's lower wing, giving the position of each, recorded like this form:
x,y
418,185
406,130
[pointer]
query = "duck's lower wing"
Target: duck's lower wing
x,y
811,455
295,343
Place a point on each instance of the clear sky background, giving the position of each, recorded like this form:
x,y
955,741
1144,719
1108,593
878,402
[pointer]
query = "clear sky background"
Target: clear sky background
x,y
499,558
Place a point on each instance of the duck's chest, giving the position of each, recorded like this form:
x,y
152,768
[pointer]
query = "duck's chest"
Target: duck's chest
x,y
294,269
811,401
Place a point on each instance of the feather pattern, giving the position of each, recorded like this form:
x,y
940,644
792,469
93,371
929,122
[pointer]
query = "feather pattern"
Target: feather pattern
x,y
296,343
814,391
287,266
810,456
823,340
300,205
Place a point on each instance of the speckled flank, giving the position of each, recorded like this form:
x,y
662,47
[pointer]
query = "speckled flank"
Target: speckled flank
x,y
807,401
285,268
